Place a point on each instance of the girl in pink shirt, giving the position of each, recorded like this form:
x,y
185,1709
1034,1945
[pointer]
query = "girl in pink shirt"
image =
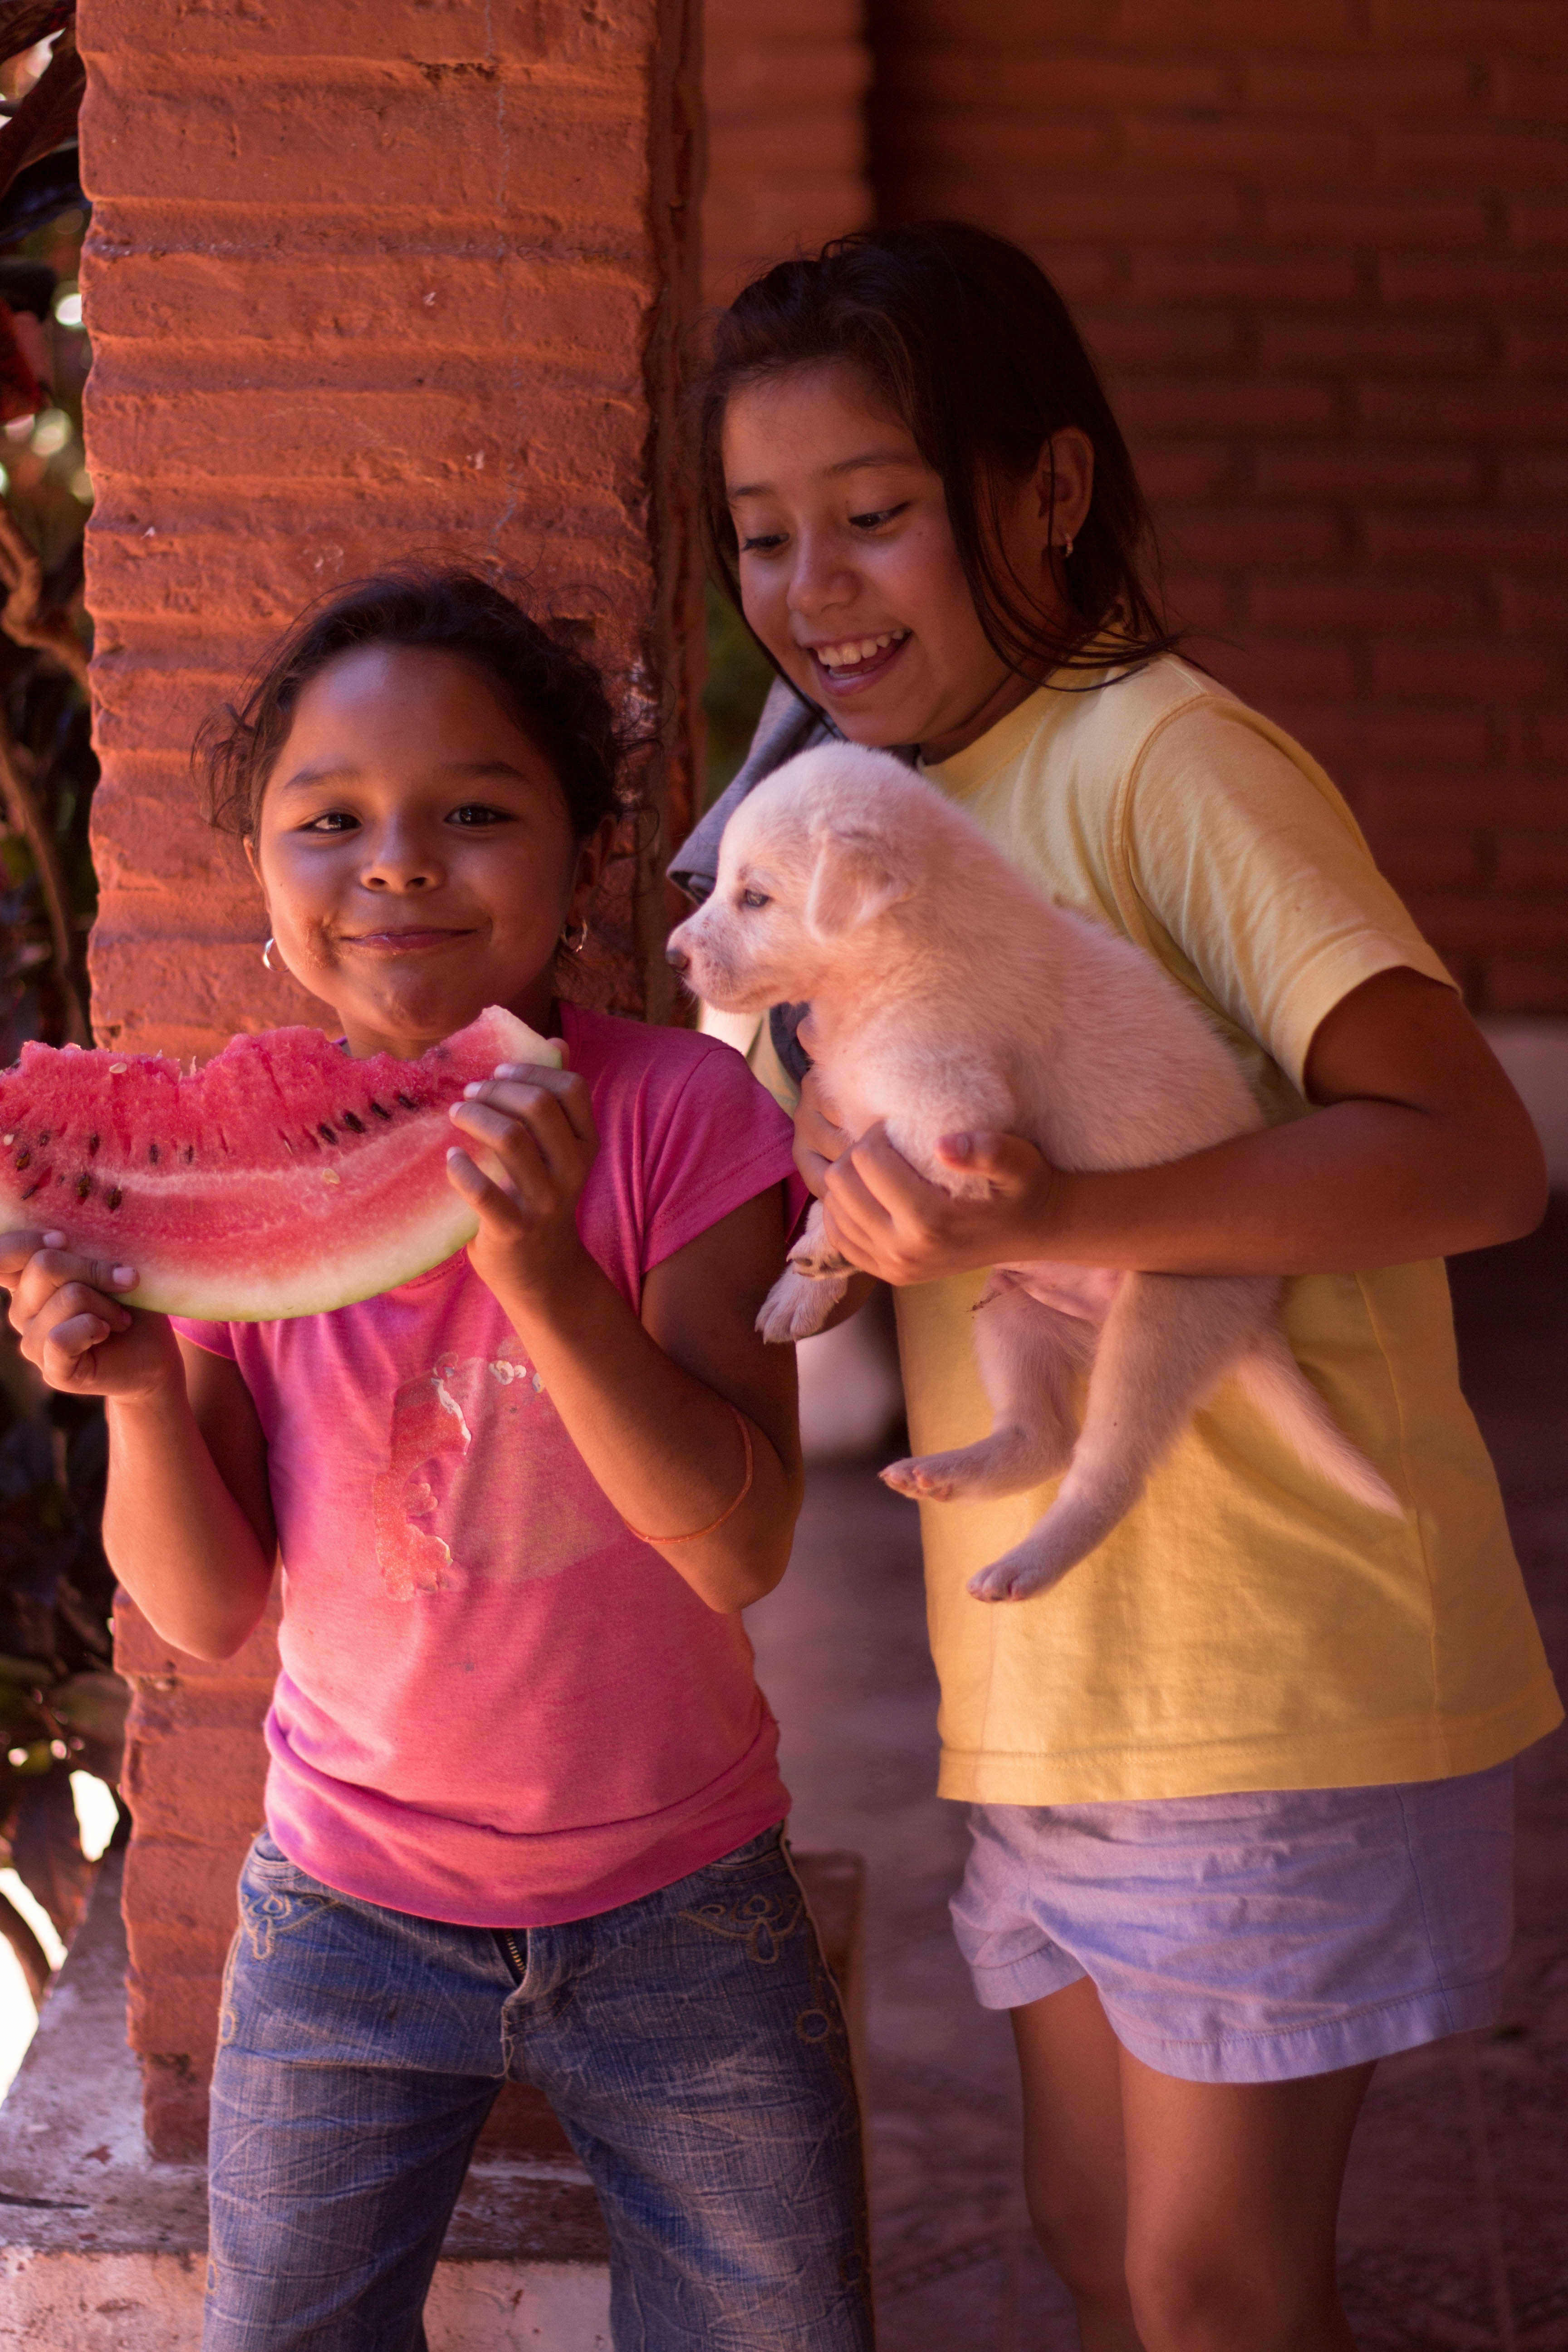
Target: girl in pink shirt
x,y
523,1810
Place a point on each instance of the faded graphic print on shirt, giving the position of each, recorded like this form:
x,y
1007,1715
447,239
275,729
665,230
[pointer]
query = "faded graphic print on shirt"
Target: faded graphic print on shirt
x,y
482,1481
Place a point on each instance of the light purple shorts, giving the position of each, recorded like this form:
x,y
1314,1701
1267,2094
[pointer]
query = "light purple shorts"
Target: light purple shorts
x,y
1255,1938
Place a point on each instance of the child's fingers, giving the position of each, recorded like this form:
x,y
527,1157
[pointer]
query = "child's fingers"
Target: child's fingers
x,y
1009,1161
62,1358
859,1190
63,1338
525,1176
552,1102
813,1166
486,1196
855,1226
820,1117
70,1300
529,1135
887,1176
48,1271
15,1249
564,1087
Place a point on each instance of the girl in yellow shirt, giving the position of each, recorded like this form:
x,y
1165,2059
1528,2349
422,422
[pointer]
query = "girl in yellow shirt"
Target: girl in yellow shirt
x,y
1241,1784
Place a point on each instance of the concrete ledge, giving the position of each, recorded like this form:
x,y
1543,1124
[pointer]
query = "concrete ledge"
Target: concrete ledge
x,y
102,2250
146,2302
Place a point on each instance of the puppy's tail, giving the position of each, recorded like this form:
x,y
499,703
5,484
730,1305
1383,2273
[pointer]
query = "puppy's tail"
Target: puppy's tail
x,y
1276,1383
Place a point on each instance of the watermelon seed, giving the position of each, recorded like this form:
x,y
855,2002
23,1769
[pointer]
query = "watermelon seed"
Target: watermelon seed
x,y
8,1138
153,1153
329,1133
44,1135
379,1112
407,1102
92,1144
115,1197
83,1187
350,1120
35,1187
330,1176
23,1159
189,1152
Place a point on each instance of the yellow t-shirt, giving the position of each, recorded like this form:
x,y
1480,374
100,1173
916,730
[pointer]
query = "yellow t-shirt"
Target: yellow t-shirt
x,y
1244,1626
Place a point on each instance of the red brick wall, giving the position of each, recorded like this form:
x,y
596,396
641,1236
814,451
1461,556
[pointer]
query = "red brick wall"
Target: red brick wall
x,y
194,1766
1322,248
786,87
362,282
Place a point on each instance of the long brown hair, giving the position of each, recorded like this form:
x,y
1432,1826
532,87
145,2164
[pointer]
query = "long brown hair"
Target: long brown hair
x,y
971,344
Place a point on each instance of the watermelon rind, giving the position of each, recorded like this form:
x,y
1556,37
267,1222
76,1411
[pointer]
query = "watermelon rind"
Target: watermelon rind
x,y
165,1290
282,1233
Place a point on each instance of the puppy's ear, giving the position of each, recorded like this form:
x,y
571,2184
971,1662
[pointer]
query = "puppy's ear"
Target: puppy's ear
x,y
856,877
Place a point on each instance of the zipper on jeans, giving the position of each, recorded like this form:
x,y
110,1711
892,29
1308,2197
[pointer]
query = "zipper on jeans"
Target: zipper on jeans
x,y
508,1947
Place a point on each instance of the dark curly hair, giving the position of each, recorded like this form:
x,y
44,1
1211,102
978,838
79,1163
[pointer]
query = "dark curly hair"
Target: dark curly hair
x,y
558,697
971,346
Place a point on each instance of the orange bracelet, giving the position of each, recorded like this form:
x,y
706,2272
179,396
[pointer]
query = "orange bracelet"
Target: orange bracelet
x,y
744,1428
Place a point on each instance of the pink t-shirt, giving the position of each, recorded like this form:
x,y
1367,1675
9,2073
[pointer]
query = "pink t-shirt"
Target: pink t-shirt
x,y
497,1707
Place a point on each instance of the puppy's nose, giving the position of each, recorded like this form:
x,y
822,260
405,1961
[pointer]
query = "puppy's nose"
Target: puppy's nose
x,y
676,958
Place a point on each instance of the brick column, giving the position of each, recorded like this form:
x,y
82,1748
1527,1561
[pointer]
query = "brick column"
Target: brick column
x,y
363,283
1319,246
786,87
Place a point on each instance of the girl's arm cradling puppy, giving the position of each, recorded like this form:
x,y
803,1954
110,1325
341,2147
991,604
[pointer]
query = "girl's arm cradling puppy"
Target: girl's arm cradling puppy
x,y
1418,1148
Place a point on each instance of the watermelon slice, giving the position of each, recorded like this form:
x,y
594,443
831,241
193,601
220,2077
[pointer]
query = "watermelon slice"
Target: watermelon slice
x,y
283,1179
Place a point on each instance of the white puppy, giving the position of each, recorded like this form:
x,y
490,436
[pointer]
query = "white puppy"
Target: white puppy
x,y
947,995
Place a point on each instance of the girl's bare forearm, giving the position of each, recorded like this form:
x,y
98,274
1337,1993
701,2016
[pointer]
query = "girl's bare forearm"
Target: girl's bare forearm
x,y
663,1445
1356,1185
175,1535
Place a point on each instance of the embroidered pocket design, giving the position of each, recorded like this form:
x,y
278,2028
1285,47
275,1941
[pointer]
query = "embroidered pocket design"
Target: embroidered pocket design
x,y
266,1914
761,1922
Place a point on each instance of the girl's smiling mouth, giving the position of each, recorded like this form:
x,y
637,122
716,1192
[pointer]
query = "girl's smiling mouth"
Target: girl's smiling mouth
x,y
395,940
849,661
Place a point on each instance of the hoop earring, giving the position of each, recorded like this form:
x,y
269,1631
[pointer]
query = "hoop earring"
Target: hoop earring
x,y
266,951
574,946
1067,547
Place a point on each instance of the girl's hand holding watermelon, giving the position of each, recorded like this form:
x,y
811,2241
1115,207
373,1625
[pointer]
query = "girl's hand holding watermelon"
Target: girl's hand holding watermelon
x,y
536,1127
73,1326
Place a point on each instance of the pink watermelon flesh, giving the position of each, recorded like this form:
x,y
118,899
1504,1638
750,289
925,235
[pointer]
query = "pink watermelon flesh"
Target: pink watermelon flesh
x,y
285,1178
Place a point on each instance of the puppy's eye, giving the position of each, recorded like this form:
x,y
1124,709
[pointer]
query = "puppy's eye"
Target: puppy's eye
x,y
755,898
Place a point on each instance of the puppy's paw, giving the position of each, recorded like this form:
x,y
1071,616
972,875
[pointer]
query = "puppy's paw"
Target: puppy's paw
x,y
1018,1575
796,1308
1003,1463
812,1257
925,1479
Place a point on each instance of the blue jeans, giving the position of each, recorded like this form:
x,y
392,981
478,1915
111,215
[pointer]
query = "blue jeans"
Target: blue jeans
x,y
693,2045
